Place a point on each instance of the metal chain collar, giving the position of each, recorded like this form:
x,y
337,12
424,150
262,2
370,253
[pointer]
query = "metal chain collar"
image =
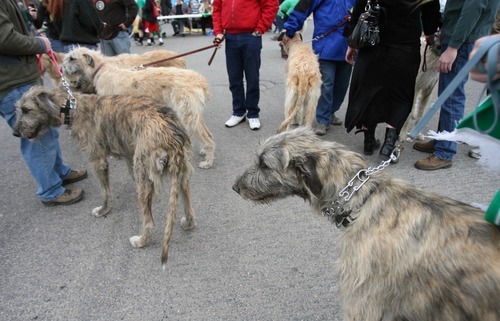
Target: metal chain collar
x,y
336,211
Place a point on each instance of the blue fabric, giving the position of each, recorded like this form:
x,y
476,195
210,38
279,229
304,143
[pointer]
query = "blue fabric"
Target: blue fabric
x,y
335,76
327,15
243,60
42,155
452,111
116,46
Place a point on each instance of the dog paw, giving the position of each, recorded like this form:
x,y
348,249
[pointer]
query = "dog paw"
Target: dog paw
x,y
205,165
136,241
100,211
187,225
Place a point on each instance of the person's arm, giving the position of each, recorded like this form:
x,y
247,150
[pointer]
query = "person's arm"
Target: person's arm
x,y
132,9
14,43
475,74
217,21
268,10
296,19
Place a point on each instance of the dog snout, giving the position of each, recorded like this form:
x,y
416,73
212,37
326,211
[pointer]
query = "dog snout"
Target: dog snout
x,y
16,132
236,188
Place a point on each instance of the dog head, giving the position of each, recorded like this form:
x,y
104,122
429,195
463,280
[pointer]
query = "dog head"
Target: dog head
x,y
36,112
286,47
297,162
79,67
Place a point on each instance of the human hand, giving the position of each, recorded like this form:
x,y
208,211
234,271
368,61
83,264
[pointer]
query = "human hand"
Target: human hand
x,y
48,46
122,26
350,55
32,11
475,74
218,40
446,60
285,39
429,39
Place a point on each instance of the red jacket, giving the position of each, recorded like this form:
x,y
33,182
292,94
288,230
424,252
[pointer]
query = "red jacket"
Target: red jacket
x,y
240,16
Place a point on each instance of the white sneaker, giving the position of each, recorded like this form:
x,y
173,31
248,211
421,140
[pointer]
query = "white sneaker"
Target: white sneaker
x,y
235,120
254,123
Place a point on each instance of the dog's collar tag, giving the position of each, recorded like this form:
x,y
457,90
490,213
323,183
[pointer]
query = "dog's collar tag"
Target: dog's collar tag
x,y
66,112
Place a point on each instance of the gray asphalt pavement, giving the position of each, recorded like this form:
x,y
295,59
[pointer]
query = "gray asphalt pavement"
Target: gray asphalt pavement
x,y
241,262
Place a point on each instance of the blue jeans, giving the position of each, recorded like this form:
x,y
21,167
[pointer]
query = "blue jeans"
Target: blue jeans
x,y
452,111
42,155
57,45
116,46
243,59
335,76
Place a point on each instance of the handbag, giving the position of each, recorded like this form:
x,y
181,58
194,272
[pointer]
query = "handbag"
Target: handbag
x,y
366,33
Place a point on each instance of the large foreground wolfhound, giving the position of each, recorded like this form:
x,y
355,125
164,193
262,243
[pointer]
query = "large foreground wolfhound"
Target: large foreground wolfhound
x,y
405,253
185,91
303,84
143,131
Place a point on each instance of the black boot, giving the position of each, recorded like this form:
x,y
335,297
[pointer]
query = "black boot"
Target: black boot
x,y
391,137
371,143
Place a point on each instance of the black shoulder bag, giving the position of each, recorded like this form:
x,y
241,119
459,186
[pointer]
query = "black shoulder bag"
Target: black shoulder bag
x,y
366,33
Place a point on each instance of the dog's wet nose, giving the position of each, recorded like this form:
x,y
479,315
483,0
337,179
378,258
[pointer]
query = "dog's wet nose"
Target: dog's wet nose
x,y
236,188
16,133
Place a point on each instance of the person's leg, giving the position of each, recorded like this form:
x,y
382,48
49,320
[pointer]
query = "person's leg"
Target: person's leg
x,y
324,109
452,111
42,155
57,45
107,47
251,50
121,43
341,84
234,66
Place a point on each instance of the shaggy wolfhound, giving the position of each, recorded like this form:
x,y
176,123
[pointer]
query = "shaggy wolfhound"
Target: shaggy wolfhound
x,y
123,60
185,91
303,84
143,131
405,253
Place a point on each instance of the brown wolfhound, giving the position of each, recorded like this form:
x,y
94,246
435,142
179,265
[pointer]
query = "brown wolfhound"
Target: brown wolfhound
x,y
303,84
143,131
405,253
123,60
185,91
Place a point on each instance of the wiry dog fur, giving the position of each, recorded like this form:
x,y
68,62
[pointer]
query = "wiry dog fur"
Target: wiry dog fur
x,y
424,85
185,91
143,131
303,84
409,255
123,60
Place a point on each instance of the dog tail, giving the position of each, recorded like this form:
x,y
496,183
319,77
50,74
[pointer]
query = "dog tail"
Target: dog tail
x,y
293,104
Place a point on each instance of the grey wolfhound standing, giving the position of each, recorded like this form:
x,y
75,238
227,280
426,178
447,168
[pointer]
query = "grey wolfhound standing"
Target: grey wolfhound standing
x,y
185,91
144,132
405,254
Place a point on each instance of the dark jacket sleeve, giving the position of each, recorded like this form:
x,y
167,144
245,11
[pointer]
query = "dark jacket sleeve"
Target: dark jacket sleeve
x,y
431,17
358,9
132,9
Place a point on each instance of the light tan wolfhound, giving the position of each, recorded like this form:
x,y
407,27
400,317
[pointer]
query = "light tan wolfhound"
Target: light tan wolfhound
x,y
405,253
143,131
303,84
185,91
123,60
424,85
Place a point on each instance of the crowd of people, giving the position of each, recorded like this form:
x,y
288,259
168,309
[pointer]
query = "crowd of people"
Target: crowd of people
x,y
380,89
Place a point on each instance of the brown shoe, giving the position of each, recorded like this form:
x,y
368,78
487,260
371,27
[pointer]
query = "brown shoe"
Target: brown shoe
x,y
432,163
75,176
68,197
426,147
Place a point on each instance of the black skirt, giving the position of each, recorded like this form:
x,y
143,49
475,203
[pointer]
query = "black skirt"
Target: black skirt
x,y
382,86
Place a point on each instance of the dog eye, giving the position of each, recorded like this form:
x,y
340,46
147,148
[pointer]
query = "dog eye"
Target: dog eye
x,y
25,110
262,164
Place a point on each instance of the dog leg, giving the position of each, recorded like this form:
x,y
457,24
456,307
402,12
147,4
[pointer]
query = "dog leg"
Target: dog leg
x,y
311,102
145,191
291,110
205,136
101,168
173,203
187,222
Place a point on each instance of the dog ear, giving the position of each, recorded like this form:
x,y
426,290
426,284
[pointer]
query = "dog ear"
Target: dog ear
x,y
44,100
306,170
281,35
89,60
